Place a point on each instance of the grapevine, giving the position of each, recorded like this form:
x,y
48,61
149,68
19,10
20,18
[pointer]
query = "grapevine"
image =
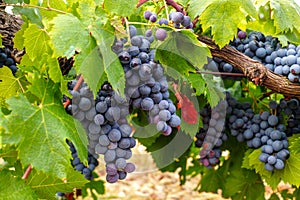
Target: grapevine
x,y
209,89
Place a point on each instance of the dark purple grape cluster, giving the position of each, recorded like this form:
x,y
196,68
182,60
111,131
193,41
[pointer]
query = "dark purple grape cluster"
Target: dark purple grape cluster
x,y
265,130
146,85
79,166
115,141
291,109
266,49
212,135
7,60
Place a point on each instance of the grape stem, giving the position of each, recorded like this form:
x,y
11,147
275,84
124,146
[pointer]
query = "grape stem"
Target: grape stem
x,y
178,96
76,87
27,172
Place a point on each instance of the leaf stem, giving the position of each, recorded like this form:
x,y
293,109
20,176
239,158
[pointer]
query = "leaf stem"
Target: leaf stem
x,y
34,6
221,73
27,172
139,23
166,8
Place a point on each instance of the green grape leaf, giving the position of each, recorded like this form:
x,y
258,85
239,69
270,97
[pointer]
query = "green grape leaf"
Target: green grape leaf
x,y
295,143
104,35
211,181
181,163
59,5
213,93
9,84
19,36
124,8
197,8
12,187
182,52
32,15
89,64
92,186
46,186
197,82
194,51
218,16
249,186
166,150
40,131
285,15
68,34
36,41
86,10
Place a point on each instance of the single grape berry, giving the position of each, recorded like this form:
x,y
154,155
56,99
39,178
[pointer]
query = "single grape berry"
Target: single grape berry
x,y
242,34
147,14
177,17
153,18
161,34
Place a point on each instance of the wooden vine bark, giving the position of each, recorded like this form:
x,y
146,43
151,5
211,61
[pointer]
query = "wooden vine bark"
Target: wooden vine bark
x,y
9,25
253,70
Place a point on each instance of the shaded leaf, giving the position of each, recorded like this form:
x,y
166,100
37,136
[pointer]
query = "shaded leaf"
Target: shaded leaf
x,y
104,35
12,187
8,83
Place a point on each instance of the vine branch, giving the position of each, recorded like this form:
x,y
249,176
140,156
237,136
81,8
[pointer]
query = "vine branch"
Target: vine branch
x,y
253,70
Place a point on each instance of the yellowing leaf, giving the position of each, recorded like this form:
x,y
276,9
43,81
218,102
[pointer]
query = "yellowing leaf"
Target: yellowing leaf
x,y
12,187
8,83
286,15
223,23
36,41
120,7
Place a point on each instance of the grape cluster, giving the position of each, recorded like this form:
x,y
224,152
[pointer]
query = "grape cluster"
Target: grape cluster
x,y
146,86
211,136
264,130
267,50
179,21
292,110
7,60
79,166
115,140
83,109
